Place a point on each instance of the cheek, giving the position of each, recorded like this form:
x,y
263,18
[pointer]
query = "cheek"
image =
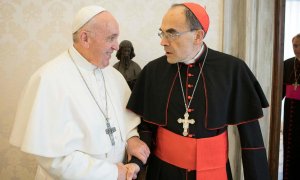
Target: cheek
x,y
101,44
107,46
178,47
184,49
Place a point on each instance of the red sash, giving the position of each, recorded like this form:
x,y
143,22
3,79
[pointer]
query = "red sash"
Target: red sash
x,y
208,156
292,93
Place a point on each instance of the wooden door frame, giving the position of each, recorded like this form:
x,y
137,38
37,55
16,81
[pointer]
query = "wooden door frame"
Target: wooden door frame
x,y
275,118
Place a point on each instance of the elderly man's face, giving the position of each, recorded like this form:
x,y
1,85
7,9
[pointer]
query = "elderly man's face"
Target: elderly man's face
x,y
181,46
105,39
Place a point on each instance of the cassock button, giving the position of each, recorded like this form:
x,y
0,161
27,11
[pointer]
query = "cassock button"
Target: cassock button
x,y
191,65
190,75
189,97
190,85
190,110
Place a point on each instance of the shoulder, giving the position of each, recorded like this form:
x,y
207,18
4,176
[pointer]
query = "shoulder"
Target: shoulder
x,y
289,61
152,68
224,60
54,68
158,62
112,71
114,76
116,82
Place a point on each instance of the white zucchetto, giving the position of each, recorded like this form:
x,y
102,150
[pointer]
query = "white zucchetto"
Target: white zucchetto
x,y
84,15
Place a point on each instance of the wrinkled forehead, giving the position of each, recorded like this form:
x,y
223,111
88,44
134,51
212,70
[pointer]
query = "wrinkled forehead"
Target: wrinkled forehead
x,y
174,19
104,20
104,25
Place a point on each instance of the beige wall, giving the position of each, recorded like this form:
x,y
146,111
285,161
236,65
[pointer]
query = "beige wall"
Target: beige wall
x,y
33,32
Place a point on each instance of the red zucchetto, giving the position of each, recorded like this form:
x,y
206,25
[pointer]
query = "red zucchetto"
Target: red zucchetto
x,y
200,13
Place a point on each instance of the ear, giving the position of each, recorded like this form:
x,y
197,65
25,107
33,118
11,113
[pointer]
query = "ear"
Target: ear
x,y
199,36
84,39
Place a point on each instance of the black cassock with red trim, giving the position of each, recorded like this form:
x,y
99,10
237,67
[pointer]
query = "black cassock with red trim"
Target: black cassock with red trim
x,y
227,94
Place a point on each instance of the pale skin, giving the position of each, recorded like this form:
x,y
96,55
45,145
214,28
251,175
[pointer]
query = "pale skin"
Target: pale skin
x,y
96,41
185,46
127,171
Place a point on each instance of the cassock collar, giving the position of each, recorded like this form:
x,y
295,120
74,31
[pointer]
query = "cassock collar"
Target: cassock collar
x,y
81,61
197,58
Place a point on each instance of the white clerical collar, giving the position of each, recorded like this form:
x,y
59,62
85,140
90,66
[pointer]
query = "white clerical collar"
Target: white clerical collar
x,y
195,57
80,60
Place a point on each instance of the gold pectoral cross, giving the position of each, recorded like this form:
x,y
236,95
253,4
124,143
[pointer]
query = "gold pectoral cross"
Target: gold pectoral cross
x,y
186,123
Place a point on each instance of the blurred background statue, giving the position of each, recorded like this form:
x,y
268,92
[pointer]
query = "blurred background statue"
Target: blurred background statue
x,y
127,67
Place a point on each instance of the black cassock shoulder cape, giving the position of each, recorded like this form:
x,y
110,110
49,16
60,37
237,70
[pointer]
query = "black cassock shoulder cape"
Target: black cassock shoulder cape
x,y
232,93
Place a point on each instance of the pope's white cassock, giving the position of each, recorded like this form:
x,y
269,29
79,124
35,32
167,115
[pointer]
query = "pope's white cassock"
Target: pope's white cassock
x,y
60,123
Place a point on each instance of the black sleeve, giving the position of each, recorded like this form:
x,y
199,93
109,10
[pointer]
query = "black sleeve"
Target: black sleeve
x,y
138,162
146,132
254,156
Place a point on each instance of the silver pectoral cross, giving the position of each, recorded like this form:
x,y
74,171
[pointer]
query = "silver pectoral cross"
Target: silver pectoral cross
x,y
185,123
109,131
295,85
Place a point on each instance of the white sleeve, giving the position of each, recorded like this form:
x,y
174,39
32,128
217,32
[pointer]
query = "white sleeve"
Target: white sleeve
x,y
79,165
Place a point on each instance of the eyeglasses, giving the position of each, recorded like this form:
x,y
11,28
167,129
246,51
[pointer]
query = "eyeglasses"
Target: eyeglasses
x,y
172,36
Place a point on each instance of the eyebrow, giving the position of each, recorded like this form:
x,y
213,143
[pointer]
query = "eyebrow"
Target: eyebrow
x,y
171,30
113,35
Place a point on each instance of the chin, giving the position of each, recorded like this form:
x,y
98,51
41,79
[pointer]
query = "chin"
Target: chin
x,y
171,61
104,64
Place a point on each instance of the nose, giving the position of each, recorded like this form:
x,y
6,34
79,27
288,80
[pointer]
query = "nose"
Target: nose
x,y
116,46
164,41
